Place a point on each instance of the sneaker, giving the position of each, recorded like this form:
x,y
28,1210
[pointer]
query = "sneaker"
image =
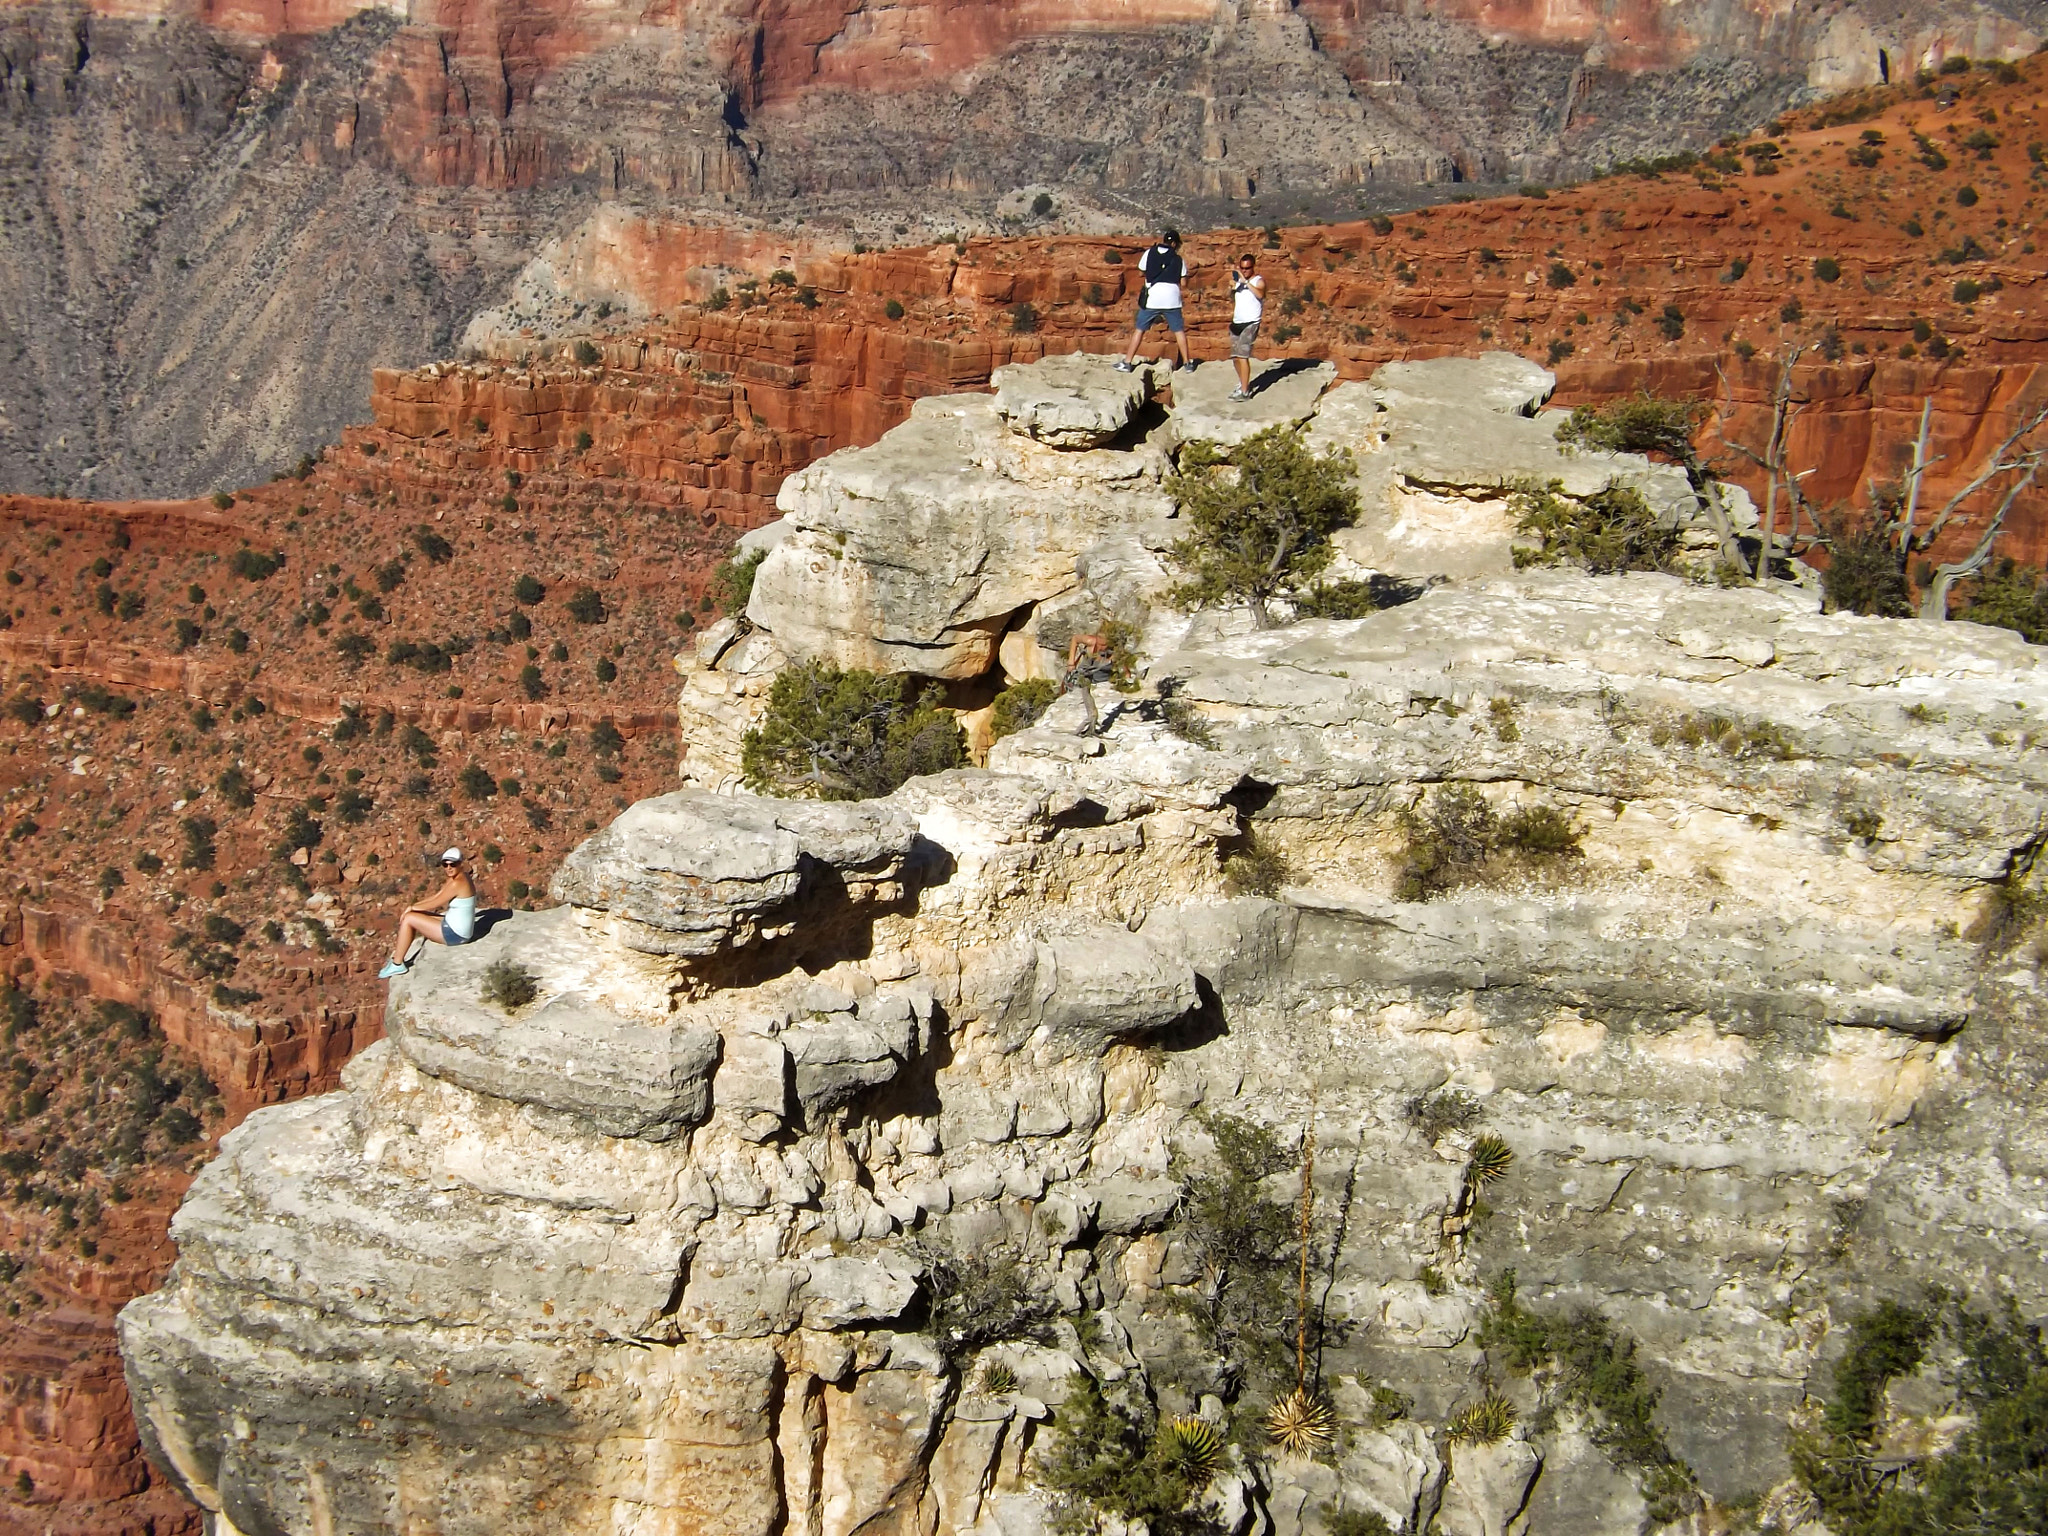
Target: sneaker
x,y
1238,394
1123,367
392,968
1191,364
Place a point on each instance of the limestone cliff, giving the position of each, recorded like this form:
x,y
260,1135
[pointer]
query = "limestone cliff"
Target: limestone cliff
x,y
668,1245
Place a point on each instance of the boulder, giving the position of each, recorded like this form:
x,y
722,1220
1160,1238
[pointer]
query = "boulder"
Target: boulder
x,y
915,554
1284,394
567,1050
1076,400
691,873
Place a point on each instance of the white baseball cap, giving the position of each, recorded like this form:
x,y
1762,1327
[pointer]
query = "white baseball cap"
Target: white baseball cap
x,y
452,856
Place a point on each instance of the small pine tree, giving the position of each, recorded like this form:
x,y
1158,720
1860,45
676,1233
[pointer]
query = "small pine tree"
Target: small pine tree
x,y
1262,518
847,734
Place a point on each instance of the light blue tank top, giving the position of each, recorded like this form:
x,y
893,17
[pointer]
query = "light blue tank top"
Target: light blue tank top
x,y
461,917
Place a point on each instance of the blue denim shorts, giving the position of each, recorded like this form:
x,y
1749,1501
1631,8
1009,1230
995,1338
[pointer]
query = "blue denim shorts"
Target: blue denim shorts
x,y
450,936
1147,318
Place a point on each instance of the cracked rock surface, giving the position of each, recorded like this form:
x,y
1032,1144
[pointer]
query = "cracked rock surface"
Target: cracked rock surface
x,y
657,1251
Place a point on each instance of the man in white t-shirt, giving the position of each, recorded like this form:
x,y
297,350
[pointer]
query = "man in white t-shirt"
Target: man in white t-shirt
x,y
1165,274
1247,307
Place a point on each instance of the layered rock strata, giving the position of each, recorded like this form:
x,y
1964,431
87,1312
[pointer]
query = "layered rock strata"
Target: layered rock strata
x,y
655,1246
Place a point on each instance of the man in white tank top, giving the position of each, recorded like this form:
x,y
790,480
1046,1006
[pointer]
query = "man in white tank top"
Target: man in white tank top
x,y
1247,308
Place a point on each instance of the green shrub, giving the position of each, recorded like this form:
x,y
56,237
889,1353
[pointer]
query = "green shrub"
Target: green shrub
x,y
251,565
605,739
508,985
847,734
1023,319
1250,1244
1356,1522
1594,1367
983,1297
1609,531
1967,291
1262,525
1107,1461
199,832
1560,276
732,580
531,683
354,648
1181,719
1018,707
586,606
893,309
234,788
586,354
1336,600
1451,841
1865,572
477,782
1447,1109
429,543
2011,596
1827,270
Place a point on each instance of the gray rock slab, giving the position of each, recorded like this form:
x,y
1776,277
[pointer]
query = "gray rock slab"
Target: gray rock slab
x,y
1493,381
693,873
1284,393
1073,401
566,1050
292,1213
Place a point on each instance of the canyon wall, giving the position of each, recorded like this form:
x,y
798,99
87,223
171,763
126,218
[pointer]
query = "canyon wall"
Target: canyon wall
x,y
835,1153
222,216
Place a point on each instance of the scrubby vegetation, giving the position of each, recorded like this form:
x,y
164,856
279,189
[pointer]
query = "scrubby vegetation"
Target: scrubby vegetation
x,y
732,580
847,734
1261,515
1446,1110
508,985
2010,596
1113,1458
1457,838
92,1099
1991,1481
1582,1360
1019,706
983,1297
1865,572
1611,530
1255,868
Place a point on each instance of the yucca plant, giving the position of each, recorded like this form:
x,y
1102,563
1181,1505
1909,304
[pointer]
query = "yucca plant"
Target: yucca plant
x,y
1486,1422
1298,1424
1192,1450
1490,1160
997,1379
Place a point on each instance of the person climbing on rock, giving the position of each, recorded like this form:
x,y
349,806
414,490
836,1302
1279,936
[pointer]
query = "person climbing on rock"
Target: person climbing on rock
x,y
1247,307
448,917
1159,299
1088,662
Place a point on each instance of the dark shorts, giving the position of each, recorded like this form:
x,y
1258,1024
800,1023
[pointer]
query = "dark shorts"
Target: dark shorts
x,y
1242,335
450,936
1147,318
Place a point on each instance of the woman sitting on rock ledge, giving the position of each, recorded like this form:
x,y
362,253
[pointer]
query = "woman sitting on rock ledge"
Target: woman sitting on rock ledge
x,y
448,918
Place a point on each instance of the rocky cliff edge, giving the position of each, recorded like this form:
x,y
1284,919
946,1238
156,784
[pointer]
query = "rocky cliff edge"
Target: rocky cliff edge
x,y
658,1248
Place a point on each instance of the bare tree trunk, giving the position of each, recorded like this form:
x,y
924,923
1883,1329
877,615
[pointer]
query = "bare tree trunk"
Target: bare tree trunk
x,y
1934,609
1914,476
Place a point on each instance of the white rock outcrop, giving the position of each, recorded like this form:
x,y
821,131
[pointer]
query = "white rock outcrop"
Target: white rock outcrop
x,y
659,1250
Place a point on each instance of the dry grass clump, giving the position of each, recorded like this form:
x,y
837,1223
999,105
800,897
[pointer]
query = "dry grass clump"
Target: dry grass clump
x,y
509,985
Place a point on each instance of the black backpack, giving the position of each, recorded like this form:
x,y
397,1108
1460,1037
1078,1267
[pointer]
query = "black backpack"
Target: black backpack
x,y
1162,266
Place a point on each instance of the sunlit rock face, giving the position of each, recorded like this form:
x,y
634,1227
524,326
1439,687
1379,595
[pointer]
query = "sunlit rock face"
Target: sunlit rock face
x,y
657,1249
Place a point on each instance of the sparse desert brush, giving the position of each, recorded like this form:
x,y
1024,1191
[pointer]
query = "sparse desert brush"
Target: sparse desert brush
x,y
1257,868
508,985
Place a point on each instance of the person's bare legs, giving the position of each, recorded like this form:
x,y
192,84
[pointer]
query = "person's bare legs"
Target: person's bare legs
x,y
415,925
1187,359
1244,374
1137,340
